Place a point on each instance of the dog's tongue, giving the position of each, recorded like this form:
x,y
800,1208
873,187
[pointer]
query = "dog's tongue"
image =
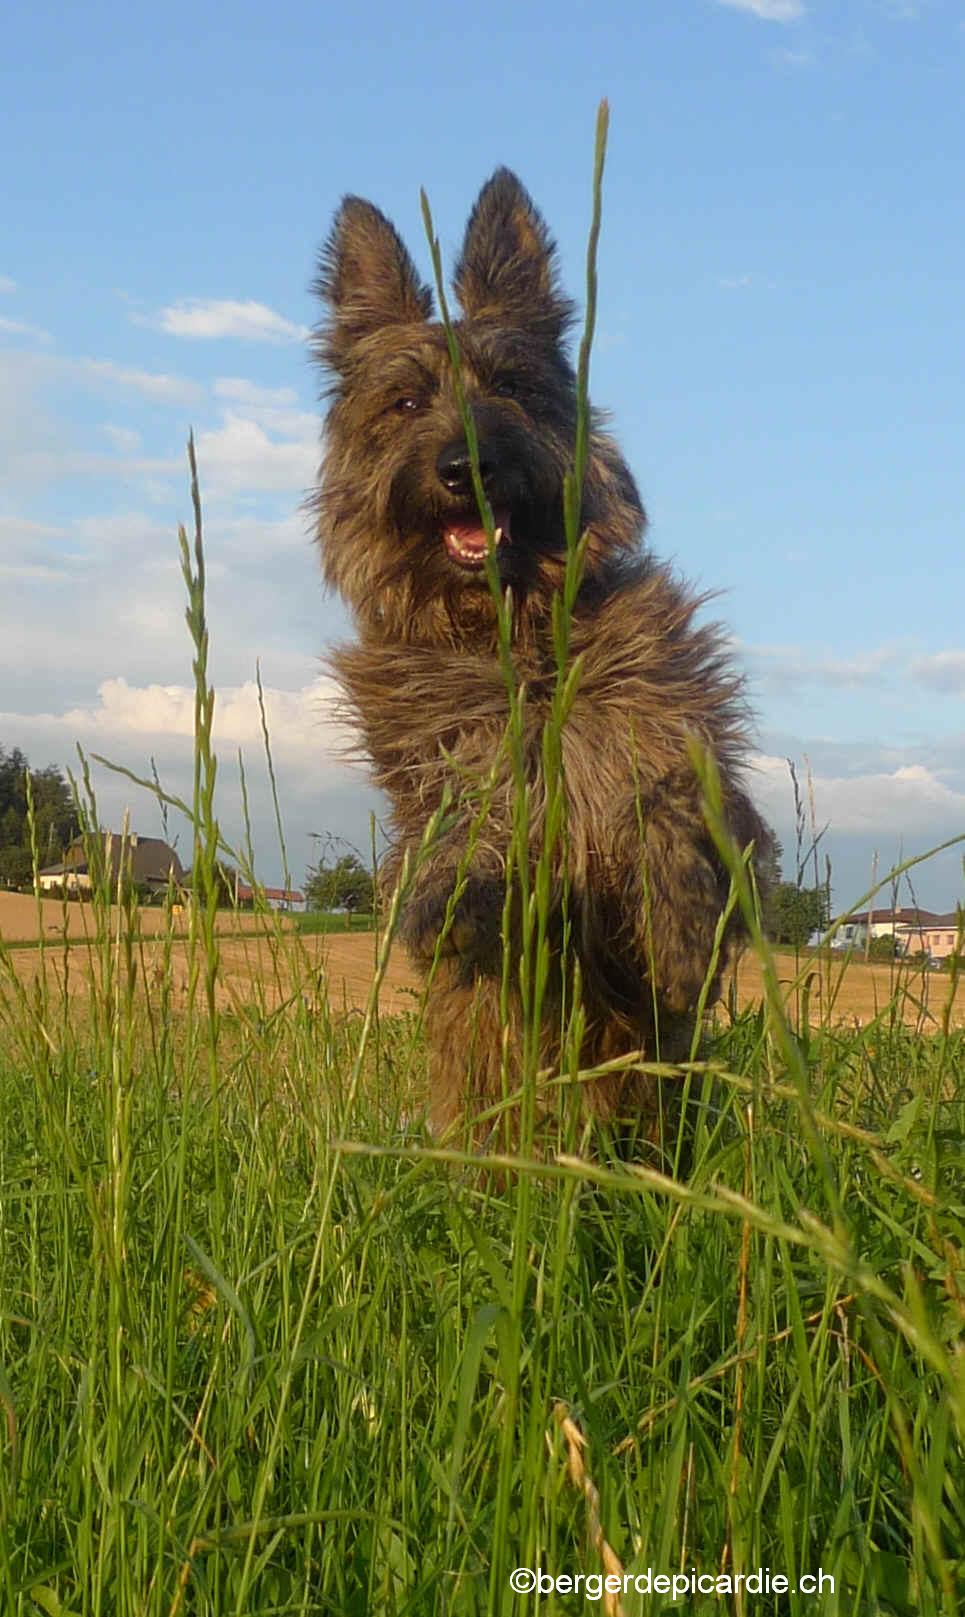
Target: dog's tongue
x,y
466,541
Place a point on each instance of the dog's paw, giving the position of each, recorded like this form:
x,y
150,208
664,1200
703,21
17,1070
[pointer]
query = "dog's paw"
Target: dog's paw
x,y
473,930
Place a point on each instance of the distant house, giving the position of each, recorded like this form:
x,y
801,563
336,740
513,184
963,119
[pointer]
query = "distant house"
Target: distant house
x,y
147,861
915,931
276,898
940,937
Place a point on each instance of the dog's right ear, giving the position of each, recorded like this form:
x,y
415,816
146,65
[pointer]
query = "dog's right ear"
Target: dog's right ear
x,y
367,278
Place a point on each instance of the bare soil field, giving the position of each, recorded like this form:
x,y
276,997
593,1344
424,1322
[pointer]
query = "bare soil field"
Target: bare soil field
x,y
22,920
256,968
851,993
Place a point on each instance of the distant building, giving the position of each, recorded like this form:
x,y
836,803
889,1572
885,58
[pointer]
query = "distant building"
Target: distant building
x,y
915,931
276,898
941,936
147,862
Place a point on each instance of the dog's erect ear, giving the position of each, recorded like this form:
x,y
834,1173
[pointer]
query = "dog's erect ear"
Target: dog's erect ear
x,y
368,278
507,268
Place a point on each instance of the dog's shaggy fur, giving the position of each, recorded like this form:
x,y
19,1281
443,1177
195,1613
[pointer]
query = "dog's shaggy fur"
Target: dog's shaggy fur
x,y
401,539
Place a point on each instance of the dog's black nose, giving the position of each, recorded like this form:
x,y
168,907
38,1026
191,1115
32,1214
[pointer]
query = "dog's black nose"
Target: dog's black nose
x,y
454,468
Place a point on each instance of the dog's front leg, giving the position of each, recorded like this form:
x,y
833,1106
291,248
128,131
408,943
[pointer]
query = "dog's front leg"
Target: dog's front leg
x,y
683,890
451,911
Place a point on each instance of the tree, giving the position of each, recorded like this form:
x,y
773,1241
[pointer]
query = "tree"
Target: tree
x,y
13,768
225,883
769,862
55,822
342,883
795,912
16,868
55,815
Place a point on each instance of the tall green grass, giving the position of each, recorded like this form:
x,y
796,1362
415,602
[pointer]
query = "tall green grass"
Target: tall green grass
x,y
264,1348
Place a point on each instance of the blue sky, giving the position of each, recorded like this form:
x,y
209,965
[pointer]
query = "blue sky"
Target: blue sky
x,y
781,344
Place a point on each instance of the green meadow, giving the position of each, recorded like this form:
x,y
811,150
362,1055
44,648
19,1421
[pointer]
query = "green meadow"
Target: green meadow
x,y
263,1349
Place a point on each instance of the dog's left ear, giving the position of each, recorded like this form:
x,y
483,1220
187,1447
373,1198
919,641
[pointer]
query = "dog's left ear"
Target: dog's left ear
x,y
507,267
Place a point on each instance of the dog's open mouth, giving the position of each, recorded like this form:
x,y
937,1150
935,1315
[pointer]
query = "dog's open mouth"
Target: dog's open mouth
x,y
465,542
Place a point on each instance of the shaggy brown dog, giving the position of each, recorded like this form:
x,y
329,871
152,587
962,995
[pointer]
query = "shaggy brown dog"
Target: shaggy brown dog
x,y
639,886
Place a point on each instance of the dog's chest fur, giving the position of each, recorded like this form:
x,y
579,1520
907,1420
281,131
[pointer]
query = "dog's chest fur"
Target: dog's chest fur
x,y
432,717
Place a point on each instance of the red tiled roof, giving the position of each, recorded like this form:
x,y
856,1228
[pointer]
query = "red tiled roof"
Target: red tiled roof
x,y
290,895
905,917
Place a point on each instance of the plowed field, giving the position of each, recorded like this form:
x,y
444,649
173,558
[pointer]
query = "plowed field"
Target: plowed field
x,y
263,968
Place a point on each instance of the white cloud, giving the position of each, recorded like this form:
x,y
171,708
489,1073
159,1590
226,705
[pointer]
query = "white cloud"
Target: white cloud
x,y
224,317
131,725
105,598
102,600
128,537
27,555
297,720
152,384
265,442
240,455
256,540
124,439
20,530
60,465
26,571
238,390
781,666
910,801
20,328
940,671
6,284
785,665
277,409
50,425
27,428
19,369
768,10
139,721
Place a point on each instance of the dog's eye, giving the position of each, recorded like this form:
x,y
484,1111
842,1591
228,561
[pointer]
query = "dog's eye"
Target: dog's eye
x,y
406,405
505,388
